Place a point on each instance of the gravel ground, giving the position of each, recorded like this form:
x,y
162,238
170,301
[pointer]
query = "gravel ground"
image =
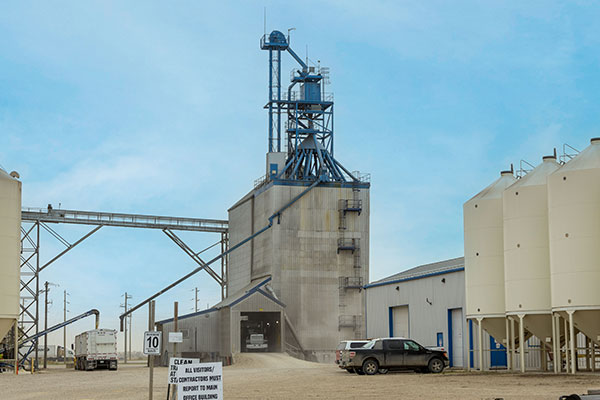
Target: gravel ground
x,y
277,376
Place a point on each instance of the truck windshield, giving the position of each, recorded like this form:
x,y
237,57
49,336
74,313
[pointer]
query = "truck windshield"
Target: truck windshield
x,y
369,345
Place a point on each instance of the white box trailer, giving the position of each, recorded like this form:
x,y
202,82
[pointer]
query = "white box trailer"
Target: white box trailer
x,y
97,348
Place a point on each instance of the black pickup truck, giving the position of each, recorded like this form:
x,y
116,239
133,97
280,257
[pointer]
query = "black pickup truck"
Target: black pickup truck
x,y
393,354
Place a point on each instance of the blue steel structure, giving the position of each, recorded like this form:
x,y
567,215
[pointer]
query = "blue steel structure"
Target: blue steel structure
x,y
309,125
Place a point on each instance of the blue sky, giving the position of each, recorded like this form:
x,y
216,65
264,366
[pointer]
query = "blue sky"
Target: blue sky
x,y
150,108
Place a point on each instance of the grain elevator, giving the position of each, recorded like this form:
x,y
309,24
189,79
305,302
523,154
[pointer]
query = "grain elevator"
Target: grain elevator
x,y
317,251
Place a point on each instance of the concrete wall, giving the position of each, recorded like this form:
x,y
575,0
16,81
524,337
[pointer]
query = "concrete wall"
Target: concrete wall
x,y
425,320
238,271
300,253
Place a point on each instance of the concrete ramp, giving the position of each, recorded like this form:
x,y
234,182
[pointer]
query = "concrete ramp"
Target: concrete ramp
x,y
268,361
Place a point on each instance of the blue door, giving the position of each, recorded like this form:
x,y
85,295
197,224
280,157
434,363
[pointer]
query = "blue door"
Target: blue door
x,y
498,354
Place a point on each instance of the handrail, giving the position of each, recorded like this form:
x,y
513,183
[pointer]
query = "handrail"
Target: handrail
x,y
53,215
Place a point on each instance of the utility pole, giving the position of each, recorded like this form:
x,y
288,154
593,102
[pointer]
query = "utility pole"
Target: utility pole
x,y
130,318
175,323
127,297
65,327
46,302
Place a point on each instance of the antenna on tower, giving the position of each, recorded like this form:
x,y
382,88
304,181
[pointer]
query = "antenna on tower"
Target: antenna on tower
x,y
265,20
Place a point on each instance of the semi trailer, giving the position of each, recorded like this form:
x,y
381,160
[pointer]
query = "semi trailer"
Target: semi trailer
x,y
96,349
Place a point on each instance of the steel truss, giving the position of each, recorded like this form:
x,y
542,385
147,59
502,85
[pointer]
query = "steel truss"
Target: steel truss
x,y
34,221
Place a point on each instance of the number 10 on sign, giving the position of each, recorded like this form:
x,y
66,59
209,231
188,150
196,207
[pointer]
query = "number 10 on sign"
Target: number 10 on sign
x,y
152,341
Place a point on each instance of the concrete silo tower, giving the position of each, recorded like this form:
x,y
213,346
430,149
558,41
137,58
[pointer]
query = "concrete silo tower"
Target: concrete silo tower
x,y
10,251
574,228
484,260
317,251
527,259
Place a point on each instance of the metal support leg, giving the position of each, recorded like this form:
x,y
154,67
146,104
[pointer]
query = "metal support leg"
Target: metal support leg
x,y
480,343
544,360
567,362
16,344
508,355
572,341
522,343
513,345
555,339
593,356
469,366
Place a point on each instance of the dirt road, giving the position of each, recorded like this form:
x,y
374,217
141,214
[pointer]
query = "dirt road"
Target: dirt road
x,y
277,376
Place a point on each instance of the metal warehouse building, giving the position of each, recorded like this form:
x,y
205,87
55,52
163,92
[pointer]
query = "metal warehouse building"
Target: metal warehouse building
x,y
425,303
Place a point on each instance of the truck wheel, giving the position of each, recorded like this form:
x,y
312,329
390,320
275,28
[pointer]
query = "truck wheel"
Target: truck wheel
x,y
370,367
436,365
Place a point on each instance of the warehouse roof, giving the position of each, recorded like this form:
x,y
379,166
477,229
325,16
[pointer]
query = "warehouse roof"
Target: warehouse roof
x,y
423,271
247,291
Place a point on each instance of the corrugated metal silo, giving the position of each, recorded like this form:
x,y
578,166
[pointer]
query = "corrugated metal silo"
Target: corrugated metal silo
x,y
484,257
574,228
527,253
10,250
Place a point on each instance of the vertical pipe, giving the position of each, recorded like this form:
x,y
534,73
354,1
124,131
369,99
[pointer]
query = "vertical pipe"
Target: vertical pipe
x,y
270,147
554,355
509,358
512,343
566,346
521,343
278,98
480,343
223,276
572,337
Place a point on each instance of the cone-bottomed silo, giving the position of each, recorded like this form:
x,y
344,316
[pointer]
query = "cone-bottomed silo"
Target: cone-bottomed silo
x,y
484,259
10,249
527,257
574,228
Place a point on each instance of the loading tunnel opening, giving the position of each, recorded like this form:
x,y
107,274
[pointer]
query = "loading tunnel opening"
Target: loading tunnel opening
x,y
260,332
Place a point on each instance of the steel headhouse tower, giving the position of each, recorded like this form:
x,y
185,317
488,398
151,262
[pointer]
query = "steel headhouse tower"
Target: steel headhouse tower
x,y
309,125
317,250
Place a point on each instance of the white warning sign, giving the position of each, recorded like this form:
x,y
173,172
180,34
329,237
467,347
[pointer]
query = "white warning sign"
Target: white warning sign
x,y
195,380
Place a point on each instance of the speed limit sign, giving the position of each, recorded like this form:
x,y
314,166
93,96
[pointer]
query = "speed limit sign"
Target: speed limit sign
x,y
152,341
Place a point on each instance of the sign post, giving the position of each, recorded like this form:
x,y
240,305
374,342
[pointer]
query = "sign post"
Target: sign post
x,y
196,380
150,355
152,343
